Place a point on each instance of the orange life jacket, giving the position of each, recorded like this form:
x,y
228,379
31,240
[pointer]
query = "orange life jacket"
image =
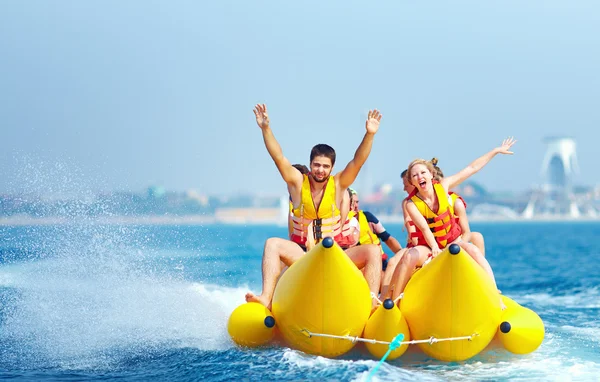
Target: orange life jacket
x,y
443,224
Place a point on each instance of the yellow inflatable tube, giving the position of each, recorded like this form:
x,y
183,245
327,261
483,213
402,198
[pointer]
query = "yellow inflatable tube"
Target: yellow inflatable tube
x,y
452,297
323,292
450,308
384,325
521,330
251,325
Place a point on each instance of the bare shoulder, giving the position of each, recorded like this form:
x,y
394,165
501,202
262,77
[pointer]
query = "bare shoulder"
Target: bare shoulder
x,y
445,182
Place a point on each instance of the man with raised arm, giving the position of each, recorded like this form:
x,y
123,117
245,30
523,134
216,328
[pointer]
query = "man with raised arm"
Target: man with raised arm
x,y
316,199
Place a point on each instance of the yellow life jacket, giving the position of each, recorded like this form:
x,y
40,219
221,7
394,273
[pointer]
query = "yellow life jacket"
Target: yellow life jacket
x,y
443,224
367,236
326,220
290,226
453,198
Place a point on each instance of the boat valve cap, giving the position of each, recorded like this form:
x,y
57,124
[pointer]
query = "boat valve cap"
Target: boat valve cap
x,y
454,249
388,303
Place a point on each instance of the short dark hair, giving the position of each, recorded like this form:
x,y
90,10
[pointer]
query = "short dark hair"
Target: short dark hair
x,y
403,174
302,168
323,150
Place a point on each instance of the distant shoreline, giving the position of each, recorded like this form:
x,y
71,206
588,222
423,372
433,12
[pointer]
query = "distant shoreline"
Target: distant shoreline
x,y
492,219
199,220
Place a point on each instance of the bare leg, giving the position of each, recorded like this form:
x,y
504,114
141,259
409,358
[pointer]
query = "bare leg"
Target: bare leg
x,y
389,272
475,253
276,251
283,269
413,258
369,258
477,239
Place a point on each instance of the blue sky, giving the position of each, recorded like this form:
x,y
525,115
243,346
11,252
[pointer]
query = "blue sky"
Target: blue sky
x,y
120,95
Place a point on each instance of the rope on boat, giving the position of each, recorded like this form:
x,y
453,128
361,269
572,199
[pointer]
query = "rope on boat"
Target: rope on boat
x,y
431,340
374,296
400,296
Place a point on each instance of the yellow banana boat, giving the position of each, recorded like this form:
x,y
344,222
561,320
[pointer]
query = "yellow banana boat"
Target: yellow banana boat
x,y
450,309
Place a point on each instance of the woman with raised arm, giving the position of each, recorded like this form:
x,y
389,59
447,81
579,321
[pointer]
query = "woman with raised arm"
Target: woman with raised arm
x,y
431,211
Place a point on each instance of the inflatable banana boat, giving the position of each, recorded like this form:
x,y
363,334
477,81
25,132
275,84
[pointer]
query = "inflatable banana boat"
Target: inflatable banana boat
x,y
450,309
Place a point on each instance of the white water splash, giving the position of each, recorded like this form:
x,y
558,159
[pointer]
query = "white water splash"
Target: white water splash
x,y
588,298
84,308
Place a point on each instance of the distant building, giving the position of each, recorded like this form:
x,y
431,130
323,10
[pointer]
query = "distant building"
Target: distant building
x,y
555,196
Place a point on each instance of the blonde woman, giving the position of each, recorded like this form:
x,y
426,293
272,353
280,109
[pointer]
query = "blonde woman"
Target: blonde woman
x,y
429,208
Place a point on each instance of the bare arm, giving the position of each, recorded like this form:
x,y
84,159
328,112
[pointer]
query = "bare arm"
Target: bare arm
x,y
393,244
289,173
456,179
422,225
347,176
377,228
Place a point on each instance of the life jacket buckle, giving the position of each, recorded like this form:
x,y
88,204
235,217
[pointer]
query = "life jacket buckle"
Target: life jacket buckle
x,y
318,234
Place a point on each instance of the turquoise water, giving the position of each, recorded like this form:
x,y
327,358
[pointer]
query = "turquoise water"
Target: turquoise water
x,y
151,302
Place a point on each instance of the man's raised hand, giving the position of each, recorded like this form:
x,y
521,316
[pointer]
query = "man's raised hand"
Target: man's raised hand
x,y
262,117
373,119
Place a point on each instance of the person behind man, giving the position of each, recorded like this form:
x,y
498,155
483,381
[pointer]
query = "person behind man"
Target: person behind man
x,y
371,229
302,168
316,199
373,232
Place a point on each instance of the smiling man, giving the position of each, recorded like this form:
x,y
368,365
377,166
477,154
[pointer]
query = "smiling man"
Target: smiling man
x,y
317,207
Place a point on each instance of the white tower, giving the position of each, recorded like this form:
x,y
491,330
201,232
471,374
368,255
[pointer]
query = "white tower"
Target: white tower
x,y
555,197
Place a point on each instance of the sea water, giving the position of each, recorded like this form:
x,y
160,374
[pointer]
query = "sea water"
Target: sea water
x,y
85,301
